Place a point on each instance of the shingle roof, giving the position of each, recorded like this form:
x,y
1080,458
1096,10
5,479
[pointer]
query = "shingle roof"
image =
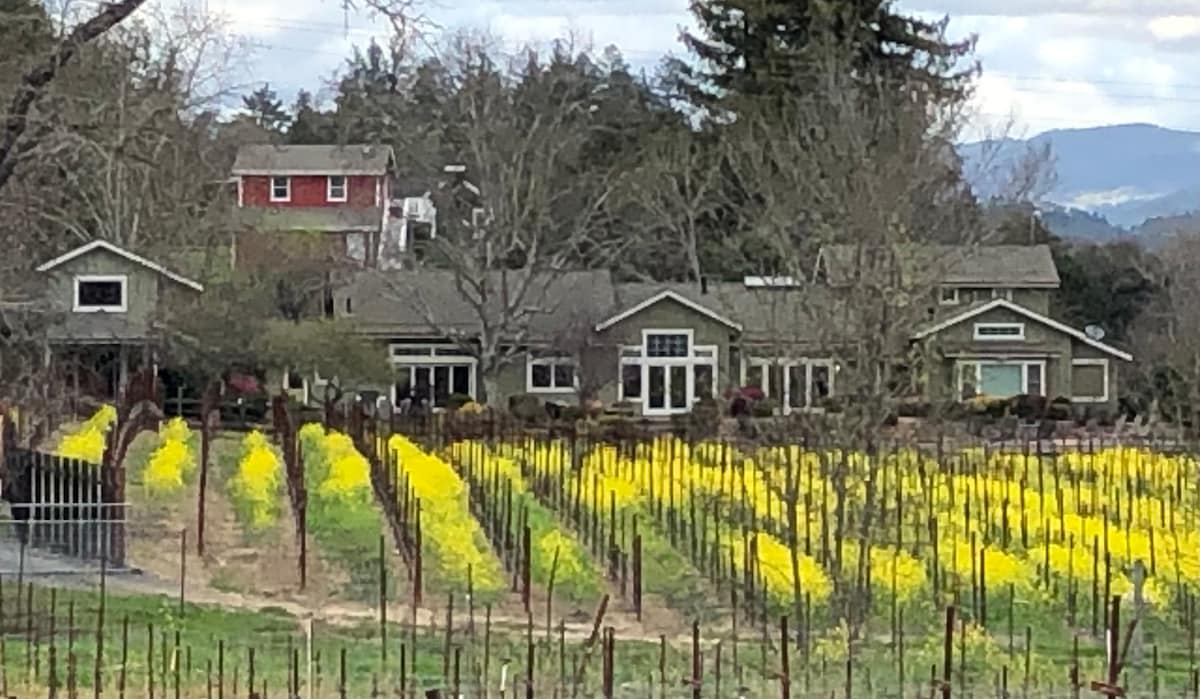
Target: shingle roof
x,y
311,218
791,315
404,302
984,265
313,160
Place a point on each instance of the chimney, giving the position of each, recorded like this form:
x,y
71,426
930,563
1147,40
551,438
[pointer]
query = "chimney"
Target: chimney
x,y
703,285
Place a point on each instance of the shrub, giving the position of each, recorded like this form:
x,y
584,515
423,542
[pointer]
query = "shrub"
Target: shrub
x,y
1059,409
457,400
763,408
570,413
526,408
1028,407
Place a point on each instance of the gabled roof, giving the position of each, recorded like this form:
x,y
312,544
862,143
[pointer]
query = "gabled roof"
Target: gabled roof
x,y
802,314
663,296
132,257
1032,315
362,159
953,265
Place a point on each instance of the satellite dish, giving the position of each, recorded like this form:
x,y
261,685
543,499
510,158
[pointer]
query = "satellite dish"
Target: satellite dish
x,y
1095,332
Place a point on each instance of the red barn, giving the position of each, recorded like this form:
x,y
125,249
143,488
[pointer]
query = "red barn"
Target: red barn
x,y
341,192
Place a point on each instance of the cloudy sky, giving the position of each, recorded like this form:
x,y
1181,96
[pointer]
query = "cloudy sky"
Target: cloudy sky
x,y
1047,64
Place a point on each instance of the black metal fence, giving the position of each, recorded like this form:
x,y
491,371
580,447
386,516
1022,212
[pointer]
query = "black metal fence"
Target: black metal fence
x,y
65,506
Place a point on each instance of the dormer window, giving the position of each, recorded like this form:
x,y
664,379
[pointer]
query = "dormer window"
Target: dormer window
x,y
281,189
336,188
100,294
948,296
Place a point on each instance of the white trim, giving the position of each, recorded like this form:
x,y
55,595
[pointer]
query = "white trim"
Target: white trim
x,y
122,279
622,362
105,245
271,188
329,189
981,337
241,184
668,294
978,363
1011,306
1090,362
785,365
308,173
550,361
943,301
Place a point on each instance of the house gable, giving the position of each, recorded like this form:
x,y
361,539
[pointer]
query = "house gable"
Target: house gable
x,y
1000,312
104,246
668,297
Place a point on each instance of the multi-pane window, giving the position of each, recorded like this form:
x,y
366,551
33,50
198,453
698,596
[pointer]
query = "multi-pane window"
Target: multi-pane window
x,y
281,189
337,188
667,345
551,374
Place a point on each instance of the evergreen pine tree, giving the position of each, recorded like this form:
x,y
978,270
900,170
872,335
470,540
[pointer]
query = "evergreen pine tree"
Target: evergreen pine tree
x,y
310,126
763,47
264,108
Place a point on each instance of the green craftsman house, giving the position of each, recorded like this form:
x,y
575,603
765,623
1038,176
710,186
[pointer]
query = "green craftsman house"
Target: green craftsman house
x,y
985,328
105,304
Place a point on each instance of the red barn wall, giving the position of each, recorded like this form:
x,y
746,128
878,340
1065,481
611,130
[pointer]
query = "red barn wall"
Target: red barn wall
x,y
308,191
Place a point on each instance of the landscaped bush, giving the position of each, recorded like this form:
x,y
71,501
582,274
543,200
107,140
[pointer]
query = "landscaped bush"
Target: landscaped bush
x,y
527,408
256,487
172,463
1028,407
457,400
86,442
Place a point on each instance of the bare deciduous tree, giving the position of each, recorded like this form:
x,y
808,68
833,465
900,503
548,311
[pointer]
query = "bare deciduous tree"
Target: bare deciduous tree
x,y
521,216
15,138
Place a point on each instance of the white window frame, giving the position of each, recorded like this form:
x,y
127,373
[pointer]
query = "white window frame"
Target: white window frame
x,y
979,363
1089,362
785,366
952,301
121,278
329,196
1005,293
287,185
550,361
698,355
809,363
429,359
1020,335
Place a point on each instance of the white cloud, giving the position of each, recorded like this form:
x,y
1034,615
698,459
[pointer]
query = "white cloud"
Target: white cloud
x,y
1065,52
1174,27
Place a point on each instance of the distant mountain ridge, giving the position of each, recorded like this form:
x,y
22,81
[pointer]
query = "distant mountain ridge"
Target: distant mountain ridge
x,y
1110,181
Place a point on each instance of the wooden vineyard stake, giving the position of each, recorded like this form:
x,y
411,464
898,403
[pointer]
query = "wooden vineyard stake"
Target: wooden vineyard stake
x,y
948,653
785,672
